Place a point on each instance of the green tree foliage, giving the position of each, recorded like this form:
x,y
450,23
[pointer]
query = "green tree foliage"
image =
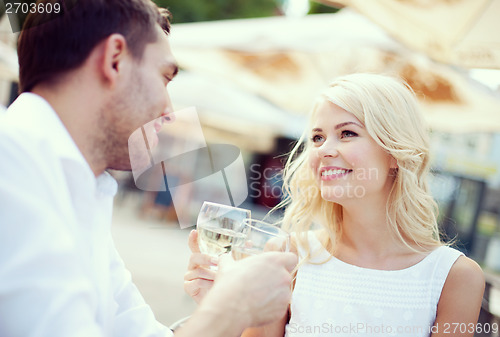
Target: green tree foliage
x,y
203,10
317,7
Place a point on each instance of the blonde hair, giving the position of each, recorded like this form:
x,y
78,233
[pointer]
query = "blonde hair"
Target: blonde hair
x,y
388,109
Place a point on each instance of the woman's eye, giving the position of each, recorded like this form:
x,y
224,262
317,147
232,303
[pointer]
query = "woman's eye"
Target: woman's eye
x,y
348,134
316,138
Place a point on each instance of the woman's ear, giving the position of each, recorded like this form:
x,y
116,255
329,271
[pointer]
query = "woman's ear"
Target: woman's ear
x,y
114,57
393,163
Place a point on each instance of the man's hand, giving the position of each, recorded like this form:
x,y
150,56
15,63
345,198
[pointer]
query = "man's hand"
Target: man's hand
x,y
254,291
250,292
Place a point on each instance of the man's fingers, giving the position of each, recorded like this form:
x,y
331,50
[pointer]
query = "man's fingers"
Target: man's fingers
x,y
288,260
193,241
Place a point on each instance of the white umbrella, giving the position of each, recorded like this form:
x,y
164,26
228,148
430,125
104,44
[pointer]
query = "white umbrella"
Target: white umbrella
x,y
288,61
285,60
459,32
231,114
9,67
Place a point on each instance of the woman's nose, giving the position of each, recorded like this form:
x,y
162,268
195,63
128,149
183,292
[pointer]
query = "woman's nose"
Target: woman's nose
x,y
328,149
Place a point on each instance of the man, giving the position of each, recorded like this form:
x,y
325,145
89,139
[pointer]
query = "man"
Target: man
x,y
91,75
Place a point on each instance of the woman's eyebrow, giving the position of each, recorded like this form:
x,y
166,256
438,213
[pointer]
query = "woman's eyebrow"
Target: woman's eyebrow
x,y
338,126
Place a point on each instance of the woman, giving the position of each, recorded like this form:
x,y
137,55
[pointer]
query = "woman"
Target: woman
x,y
371,258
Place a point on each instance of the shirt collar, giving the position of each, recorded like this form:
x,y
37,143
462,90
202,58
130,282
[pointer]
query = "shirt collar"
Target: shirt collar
x,y
106,185
39,112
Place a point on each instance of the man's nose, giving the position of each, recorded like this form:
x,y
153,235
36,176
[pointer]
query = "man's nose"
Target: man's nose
x,y
169,116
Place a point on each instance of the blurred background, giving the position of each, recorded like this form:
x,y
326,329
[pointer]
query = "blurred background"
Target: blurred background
x,y
252,70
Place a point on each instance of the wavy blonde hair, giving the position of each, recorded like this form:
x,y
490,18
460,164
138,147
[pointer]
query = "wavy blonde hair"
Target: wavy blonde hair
x,y
388,109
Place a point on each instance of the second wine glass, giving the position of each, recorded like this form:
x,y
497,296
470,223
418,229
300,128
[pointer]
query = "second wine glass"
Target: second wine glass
x,y
259,237
220,227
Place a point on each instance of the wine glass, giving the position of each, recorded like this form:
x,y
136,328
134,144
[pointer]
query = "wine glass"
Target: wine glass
x,y
260,236
219,227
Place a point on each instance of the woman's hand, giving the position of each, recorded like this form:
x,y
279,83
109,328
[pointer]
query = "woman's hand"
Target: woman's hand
x,y
198,279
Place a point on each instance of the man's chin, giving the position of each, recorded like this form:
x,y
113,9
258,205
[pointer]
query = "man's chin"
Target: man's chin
x,y
136,161
125,166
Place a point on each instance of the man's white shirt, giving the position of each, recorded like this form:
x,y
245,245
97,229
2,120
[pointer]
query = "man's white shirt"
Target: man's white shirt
x,y
60,274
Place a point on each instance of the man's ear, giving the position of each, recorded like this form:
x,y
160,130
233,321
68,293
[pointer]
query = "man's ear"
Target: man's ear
x,y
115,52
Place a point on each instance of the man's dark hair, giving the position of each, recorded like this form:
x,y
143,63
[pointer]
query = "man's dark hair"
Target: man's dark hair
x,y
51,44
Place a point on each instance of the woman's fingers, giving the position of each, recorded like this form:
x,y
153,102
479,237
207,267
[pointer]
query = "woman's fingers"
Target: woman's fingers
x,y
193,241
199,278
198,288
197,260
199,273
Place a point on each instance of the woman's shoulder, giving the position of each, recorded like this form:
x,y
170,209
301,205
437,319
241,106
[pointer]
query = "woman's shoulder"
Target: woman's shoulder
x,y
461,268
466,273
465,278
463,289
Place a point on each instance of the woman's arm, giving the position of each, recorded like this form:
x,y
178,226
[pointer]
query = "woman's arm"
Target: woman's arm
x,y
460,302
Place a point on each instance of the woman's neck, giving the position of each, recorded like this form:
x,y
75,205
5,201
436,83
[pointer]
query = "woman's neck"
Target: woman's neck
x,y
366,229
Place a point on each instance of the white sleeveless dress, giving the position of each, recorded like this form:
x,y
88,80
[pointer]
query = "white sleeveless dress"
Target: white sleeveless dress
x,y
339,299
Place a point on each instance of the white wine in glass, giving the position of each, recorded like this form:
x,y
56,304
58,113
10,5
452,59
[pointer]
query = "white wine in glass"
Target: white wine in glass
x,y
220,227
